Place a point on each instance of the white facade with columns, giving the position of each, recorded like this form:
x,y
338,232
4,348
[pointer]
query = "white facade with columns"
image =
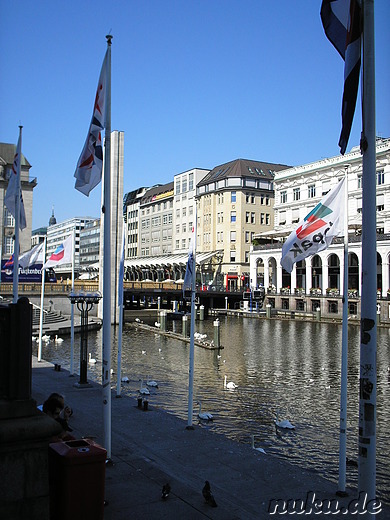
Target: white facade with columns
x,y
300,189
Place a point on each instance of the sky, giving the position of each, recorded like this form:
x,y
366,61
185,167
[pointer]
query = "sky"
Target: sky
x,y
195,84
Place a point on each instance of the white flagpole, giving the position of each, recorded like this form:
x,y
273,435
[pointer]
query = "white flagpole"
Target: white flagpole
x,y
344,352
120,303
106,347
192,332
15,278
42,298
368,327
71,371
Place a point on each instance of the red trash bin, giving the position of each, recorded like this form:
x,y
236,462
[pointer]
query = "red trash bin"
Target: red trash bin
x,y
76,480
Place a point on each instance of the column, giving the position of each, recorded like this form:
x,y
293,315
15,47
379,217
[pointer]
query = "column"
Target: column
x,y
325,277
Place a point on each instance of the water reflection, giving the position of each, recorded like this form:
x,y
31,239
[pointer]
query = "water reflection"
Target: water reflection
x,y
284,367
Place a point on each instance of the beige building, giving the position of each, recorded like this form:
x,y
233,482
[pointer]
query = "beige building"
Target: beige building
x,y
235,202
7,221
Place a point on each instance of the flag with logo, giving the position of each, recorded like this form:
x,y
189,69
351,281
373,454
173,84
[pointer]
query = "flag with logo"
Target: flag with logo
x,y
9,263
14,191
342,21
89,167
62,255
317,230
190,268
33,256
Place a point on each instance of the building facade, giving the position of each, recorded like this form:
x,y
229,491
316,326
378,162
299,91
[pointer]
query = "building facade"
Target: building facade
x,y
131,213
297,191
235,201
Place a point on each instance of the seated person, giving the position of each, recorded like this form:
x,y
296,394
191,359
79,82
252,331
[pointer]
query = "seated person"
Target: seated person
x,y
53,407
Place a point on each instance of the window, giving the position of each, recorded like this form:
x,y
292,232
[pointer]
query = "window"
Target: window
x,y
177,187
184,185
191,181
183,243
247,257
233,196
232,236
233,216
267,219
8,218
380,202
325,187
311,191
178,213
247,237
359,206
296,193
184,212
295,215
380,177
262,218
253,218
282,217
232,255
247,217
8,245
283,197
359,180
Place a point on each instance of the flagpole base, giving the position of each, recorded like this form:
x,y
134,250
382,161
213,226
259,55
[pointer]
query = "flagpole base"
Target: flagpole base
x,y
341,493
190,427
82,385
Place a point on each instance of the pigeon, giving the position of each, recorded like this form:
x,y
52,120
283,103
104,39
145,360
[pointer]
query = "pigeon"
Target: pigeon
x,y
208,496
165,491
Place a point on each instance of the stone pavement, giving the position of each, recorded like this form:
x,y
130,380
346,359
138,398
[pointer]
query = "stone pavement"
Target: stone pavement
x,y
151,448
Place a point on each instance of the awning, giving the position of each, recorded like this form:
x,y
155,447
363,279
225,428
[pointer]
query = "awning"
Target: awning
x,y
167,261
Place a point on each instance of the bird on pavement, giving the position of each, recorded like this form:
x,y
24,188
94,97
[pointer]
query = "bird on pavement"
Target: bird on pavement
x,y
165,491
207,494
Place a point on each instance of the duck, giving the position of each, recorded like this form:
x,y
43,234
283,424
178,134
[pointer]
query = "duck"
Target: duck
x,y
125,379
165,491
143,390
253,445
205,416
151,383
230,385
57,339
91,359
285,423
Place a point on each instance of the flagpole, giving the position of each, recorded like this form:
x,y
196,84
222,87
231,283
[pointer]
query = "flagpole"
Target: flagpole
x,y
15,278
106,347
192,332
42,298
120,303
368,327
344,353
71,371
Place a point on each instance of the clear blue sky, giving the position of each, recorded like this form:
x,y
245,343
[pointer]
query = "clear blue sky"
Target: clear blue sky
x,y
194,84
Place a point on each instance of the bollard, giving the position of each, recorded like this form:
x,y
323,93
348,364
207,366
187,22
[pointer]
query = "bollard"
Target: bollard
x,y
318,314
146,404
163,320
174,306
217,333
226,302
201,313
185,325
268,310
158,302
139,402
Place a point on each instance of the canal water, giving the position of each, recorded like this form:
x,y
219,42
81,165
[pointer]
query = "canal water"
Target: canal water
x,y
285,368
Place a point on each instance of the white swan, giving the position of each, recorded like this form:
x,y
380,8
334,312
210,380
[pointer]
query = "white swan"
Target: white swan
x,y
151,383
230,385
285,424
157,324
57,339
137,320
142,389
91,359
46,338
205,416
253,445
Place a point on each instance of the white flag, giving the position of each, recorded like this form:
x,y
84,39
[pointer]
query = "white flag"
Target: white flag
x,y
62,255
317,230
33,256
188,277
14,190
89,167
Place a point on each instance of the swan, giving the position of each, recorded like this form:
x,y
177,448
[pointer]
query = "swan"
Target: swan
x,y
157,324
91,359
151,383
230,385
46,338
57,339
283,424
253,445
143,390
205,416
137,320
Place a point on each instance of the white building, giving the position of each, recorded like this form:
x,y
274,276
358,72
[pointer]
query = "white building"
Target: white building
x,y
184,206
297,191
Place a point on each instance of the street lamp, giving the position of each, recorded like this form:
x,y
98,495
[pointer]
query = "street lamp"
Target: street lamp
x,y
85,302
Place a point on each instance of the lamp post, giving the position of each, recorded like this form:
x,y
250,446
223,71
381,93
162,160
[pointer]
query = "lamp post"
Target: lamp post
x,y
84,302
